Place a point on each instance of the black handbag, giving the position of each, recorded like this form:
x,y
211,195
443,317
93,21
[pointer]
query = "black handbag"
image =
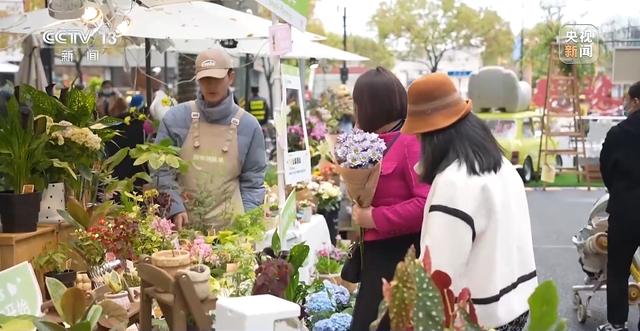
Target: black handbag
x,y
353,265
352,268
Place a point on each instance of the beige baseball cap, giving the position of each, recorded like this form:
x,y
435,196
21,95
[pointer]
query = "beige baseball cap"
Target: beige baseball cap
x,y
214,62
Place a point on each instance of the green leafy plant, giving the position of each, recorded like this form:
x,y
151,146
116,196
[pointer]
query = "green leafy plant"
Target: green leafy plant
x,y
132,279
250,224
23,140
114,282
158,156
77,311
55,260
543,309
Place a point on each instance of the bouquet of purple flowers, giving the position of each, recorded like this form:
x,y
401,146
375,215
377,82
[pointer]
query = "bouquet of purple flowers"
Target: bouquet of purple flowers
x,y
358,155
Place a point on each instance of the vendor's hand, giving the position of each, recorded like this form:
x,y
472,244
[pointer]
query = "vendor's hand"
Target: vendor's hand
x,y
363,217
180,220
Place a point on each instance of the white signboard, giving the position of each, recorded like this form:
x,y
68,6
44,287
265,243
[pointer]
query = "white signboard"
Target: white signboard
x,y
297,165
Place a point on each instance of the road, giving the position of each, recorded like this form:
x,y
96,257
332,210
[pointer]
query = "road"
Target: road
x,y
556,216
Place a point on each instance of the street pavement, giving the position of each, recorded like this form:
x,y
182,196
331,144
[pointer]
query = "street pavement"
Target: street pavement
x,y
556,216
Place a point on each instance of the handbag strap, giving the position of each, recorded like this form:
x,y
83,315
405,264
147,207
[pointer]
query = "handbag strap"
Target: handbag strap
x,y
393,141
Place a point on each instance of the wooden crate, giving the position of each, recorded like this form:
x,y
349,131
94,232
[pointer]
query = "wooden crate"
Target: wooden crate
x,y
20,247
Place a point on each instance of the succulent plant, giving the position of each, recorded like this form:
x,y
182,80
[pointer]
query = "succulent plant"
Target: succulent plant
x,y
418,299
114,282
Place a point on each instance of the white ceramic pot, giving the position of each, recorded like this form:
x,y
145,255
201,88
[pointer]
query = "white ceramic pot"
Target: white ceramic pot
x,y
307,212
122,299
199,275
52,201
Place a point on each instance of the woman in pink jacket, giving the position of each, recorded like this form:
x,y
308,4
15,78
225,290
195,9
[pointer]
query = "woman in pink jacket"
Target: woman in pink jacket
x,y
394,221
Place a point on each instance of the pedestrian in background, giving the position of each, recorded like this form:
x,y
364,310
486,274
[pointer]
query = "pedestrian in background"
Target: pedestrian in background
x,y
620,168
110,102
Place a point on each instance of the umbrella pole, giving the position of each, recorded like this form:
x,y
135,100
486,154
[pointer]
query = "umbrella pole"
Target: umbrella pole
x,y
247,82
147,70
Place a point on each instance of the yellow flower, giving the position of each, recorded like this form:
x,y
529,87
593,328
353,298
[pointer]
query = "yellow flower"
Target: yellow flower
x,y
166,101
127,120
142,117
152,193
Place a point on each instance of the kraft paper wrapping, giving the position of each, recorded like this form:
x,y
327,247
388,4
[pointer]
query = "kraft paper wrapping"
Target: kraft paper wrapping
x,y
361,183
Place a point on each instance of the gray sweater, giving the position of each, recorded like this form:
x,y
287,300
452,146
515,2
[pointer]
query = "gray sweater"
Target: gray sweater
x,y
251,149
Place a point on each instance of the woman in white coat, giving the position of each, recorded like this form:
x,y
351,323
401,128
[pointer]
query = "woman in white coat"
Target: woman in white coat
x,y
476,219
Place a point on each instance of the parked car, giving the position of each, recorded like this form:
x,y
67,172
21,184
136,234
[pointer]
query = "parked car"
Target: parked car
x,y
519,135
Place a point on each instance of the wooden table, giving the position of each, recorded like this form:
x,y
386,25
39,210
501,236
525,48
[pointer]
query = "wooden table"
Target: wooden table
x,y
19,247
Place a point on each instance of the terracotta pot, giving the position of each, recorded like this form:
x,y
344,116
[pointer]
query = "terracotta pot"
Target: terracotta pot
x,y
171,260
199,275
122,299
232,267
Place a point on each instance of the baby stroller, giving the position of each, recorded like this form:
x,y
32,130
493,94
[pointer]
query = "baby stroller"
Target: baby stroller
x,y
591,243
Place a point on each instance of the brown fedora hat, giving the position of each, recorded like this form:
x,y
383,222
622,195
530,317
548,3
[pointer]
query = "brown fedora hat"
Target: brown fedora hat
x,y
433,104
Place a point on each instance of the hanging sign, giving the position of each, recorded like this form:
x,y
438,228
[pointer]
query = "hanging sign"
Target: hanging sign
x,y
280,42
297,165
294,12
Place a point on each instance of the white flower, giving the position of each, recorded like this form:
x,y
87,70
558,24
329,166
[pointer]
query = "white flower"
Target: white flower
x,y
84,137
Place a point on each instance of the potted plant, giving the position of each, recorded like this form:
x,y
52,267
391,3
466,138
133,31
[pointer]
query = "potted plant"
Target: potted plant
x,y
169,260
307,210
200,273
54,263
133,282
329,196
329,262
23,165
117,293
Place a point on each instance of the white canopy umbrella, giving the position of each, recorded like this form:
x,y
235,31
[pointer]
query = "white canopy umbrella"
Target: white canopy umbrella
x,y
31,71
303,48
184,20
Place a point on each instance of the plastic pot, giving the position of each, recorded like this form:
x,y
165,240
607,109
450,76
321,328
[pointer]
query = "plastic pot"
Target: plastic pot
x,y
19,212
67,277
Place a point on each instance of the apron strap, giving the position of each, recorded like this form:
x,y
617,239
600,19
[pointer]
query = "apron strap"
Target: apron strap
x,y
233,129
195,123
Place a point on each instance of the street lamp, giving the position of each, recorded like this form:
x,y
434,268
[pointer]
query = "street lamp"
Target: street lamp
x,y
344,71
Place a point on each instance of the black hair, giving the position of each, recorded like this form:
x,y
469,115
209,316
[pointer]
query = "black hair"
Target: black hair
x,y
634,90
255,89
107,82
469,141
379,98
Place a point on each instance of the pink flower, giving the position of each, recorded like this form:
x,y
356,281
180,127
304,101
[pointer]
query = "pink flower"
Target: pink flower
x,y
163,226
148,127
201,249
297,130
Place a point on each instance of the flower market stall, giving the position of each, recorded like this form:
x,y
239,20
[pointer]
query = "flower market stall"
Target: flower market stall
x,y
94,241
